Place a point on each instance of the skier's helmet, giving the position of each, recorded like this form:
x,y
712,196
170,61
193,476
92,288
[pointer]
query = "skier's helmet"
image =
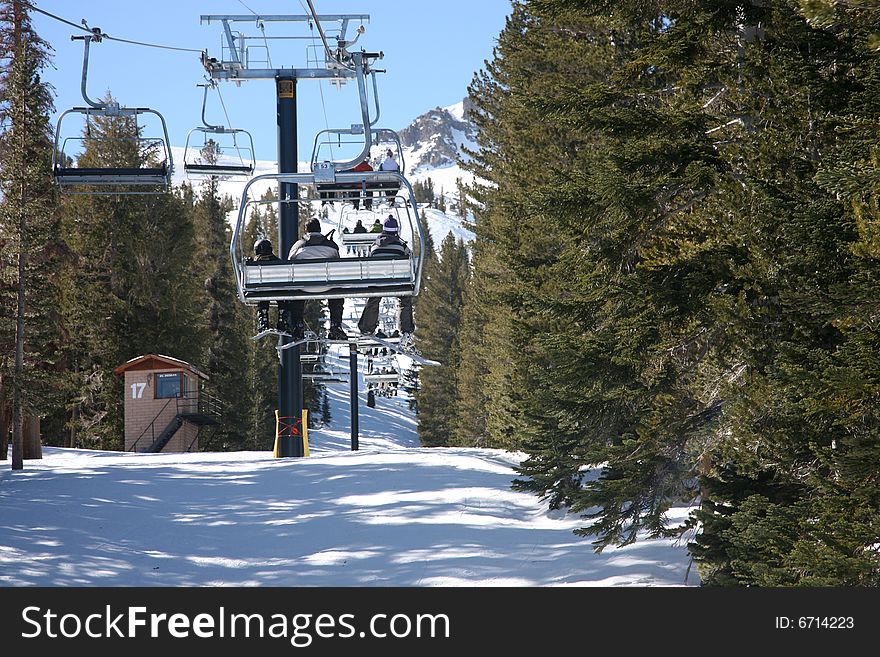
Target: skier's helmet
x,y
262,247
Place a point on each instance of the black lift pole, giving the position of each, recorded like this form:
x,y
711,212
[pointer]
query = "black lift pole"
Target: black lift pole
x,y
290,384
353,368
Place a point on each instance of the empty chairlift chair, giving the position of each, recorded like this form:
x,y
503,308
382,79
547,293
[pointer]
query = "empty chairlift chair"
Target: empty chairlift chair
x,y
215,150
111,155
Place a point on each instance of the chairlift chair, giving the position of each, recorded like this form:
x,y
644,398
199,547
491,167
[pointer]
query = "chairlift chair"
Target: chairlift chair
x,y
358,243
225,156
324,379
313,351
355,143
342,278
361,189
322,373
142,163
379,378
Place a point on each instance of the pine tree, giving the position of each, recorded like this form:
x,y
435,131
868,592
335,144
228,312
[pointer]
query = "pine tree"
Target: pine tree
x,y
513,248
264,358
227,358
584,324
725,348
791,499
31,252
469,428
424,191
326,415
461,202
134,287
437,338
629,365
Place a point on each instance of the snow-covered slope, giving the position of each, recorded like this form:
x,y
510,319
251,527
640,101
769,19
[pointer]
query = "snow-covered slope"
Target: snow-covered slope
x,y
433,144
390,514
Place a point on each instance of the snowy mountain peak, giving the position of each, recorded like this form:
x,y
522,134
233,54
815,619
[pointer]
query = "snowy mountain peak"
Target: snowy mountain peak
x,y
435,139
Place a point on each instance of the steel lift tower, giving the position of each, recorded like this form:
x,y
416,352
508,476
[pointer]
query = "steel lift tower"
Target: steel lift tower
x,y
237,64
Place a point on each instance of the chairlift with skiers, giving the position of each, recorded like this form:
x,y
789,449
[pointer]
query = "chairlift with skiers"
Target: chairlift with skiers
x,y
346,276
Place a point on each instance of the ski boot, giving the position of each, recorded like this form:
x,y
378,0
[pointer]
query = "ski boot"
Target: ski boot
x,y
336,333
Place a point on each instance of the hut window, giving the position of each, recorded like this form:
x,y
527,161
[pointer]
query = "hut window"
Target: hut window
x,y
168,385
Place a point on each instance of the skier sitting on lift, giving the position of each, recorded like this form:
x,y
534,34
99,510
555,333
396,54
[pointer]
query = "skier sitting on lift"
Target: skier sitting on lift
x,y
265,255
312,246
389,164
388,243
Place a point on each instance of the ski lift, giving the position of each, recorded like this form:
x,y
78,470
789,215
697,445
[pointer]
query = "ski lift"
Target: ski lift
x,y
322,373
358,243
355,143
360,191
218,152
384,382
339,278
313,352
382,378
141,162
324,379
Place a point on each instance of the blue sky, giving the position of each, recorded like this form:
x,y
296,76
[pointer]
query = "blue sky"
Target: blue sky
x,y
432,51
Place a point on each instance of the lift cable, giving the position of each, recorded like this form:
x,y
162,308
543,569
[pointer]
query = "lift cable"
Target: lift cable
x,y
97,32
320,83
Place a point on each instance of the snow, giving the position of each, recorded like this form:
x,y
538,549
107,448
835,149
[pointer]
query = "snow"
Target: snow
x,y
440,224
456,110
389,514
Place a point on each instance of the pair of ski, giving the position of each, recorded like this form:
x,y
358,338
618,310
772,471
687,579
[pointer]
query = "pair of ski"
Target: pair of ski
x,y
365,340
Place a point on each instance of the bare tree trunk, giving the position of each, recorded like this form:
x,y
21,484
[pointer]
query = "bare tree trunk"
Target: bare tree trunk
x,y
4,427
17,418
74,419
704,468
33,447
17,415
